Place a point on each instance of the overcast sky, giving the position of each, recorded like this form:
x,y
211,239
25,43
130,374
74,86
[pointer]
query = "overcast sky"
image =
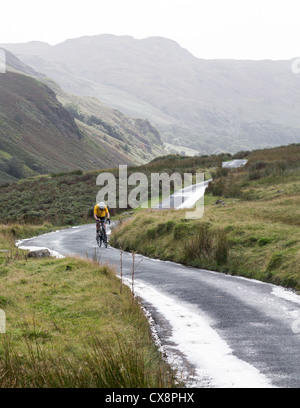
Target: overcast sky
x,y
239,29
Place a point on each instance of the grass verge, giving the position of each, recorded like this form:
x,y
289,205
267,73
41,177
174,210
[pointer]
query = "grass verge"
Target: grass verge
x,y
236,238
250,225
68,325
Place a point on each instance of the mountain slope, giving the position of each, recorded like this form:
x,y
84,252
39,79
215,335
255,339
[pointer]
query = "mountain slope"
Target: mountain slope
x,y
35,128
135,137
39,135
203,104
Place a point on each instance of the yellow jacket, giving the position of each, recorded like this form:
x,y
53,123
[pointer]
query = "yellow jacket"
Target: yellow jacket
x,y
100,213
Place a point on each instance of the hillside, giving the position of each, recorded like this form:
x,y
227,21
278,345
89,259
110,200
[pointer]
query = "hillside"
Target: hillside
x,y
250,225
70,324
53,198
207,105
39,135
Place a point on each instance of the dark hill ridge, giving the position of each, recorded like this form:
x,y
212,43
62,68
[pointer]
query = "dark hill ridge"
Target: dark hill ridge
x,y
39,135
35,128
204,104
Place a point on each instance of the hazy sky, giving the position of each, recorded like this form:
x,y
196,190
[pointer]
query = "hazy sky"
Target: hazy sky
x,y
239,29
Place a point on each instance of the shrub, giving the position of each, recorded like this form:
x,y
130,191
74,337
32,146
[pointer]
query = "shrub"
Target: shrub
x,y
152,233
253,240
264,241
254,175
166,227
199,245
257,165
169,226
290,281
220,172
222,248
290,244
180,230
216,188
275,261
160,229
208,244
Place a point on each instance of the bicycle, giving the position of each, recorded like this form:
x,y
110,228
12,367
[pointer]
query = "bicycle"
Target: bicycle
x,y
101,235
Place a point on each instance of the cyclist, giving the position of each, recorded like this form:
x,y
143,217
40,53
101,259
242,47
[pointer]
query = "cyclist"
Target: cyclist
x,y
100,212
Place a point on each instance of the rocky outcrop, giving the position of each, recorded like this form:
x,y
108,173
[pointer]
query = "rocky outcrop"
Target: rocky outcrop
x,y
39,253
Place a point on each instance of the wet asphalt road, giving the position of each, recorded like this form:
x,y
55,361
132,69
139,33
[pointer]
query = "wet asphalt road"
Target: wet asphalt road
x,y
259,322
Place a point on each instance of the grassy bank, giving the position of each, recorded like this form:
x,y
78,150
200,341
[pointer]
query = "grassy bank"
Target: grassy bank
x,y
70,324
68,198
10,233
229,239
252,231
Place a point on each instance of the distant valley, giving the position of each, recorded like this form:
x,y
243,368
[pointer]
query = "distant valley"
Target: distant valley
x,y
46,130
206,105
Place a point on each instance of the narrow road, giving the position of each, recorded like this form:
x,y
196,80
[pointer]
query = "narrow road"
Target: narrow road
x,y
185,197
227,331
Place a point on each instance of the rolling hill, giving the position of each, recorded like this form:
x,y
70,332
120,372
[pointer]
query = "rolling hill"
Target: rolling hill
x,y
39,135
206,105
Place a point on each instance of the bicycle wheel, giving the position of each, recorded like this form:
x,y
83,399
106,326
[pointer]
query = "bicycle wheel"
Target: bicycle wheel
x,y
105,239
99,240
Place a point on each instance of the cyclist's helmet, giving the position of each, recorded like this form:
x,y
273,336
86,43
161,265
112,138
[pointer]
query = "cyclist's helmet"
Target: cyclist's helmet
x,y
102,205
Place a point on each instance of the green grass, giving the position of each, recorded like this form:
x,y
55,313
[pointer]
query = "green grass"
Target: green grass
x,y
260,216
253,233
68,198
10,233
228,239
69,324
